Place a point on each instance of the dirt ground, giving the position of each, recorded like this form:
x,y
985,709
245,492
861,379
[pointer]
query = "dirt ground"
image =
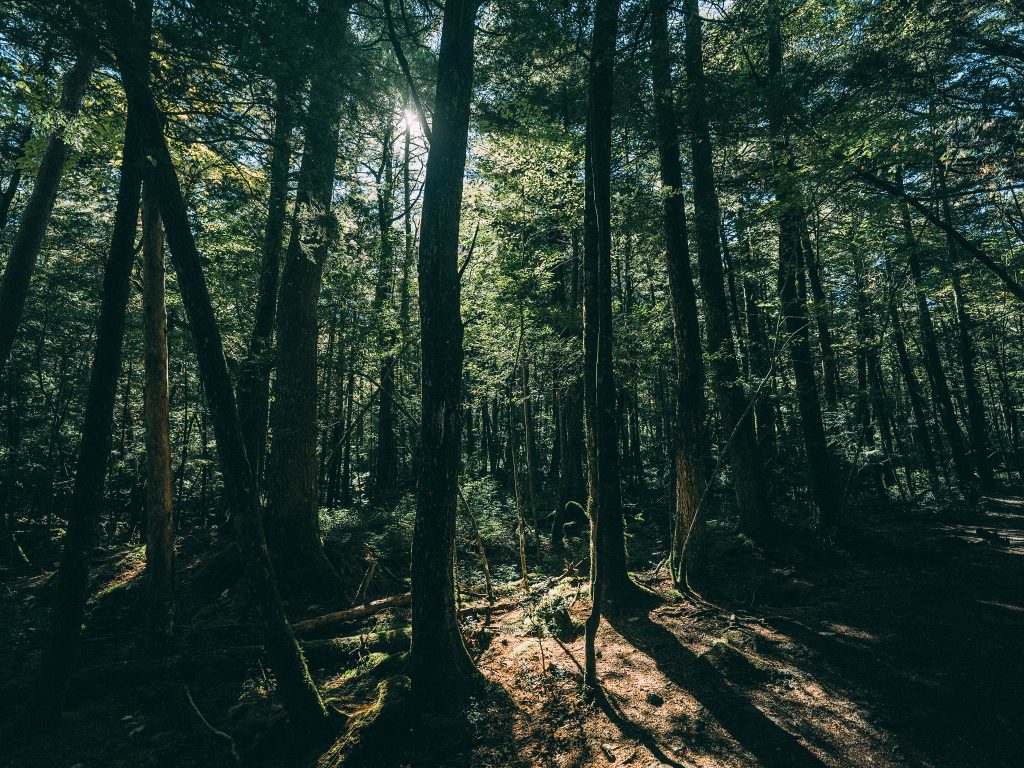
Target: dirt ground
x,y
901,647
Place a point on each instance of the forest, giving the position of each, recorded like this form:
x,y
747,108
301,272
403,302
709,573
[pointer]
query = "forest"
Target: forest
x,y
511,383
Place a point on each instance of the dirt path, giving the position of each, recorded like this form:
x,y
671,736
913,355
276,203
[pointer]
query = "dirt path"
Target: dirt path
x,y
902,649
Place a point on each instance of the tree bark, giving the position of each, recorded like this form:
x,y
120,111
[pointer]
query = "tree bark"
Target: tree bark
x,y
35,218
293,508
737,419
933,363
440,668
159,510
385,474
68,611
254,374
296,687
689,445
821,465
977,420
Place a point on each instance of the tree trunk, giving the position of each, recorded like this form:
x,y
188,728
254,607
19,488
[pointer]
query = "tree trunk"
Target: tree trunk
x,y
609,576
933,363
821,466
13,183
35,218
688,555
820,311
159,512
529,452
977,421
758,348
917,403
254,374
296,687
385,474
440,668
68,611
737,419
293,499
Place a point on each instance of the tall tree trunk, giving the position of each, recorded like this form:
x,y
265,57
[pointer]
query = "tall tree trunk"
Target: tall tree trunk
x,y
608,555
301,698
933,362
762,369
609,578
571,484
293,519
68,611
737,420
977,421
820,311
254,373
821,465
21,262
439,665
914,395
529,452
346,469
159,512
385,473
688,556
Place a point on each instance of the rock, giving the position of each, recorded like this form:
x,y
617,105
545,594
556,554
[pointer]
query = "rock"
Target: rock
x,y
608,752
654,699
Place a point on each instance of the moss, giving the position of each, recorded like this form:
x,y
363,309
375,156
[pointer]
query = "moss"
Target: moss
x,y
374,727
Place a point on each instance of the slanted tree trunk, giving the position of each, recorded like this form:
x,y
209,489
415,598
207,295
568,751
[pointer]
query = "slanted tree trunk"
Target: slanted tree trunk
x,y
254,374
21,261
689,444
821,466
159,511
293,498
737,419
298,692
13,183
440,668
68,611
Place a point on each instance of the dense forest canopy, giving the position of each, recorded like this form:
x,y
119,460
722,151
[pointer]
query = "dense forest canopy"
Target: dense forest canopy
x,y
358,355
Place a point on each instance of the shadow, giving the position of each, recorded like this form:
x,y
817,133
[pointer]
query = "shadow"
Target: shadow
x,y
606,701
921,622
773,746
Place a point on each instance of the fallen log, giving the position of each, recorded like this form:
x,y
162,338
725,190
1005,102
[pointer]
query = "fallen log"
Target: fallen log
x,y
351,614
395,601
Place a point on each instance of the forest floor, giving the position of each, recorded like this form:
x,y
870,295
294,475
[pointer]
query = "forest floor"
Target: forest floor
x,y
900,647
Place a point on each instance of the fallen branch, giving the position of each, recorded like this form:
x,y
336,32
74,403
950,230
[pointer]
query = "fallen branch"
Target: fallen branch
x,y
216,732
395,601
351,614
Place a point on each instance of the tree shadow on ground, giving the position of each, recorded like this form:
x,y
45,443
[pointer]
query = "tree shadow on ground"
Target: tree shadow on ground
x,y
773,746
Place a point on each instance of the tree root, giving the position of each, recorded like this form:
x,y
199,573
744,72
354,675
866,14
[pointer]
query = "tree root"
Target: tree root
x,y
373,728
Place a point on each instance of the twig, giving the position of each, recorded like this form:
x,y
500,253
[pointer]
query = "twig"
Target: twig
x,y
218,733
568,653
